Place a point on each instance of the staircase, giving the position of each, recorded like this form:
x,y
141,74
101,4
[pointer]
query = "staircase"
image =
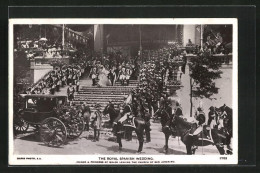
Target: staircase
x,y
92,95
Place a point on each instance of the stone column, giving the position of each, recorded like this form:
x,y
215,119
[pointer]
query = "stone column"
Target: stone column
x,y
188,33
98,38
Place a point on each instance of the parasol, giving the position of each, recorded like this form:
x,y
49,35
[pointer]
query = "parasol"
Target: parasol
x,y
43,39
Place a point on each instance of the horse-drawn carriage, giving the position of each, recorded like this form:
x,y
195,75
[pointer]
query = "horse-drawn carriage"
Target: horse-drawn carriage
x,y
50,116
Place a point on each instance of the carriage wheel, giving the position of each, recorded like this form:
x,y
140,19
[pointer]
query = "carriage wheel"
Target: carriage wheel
x,y
20,125
53,132
75,127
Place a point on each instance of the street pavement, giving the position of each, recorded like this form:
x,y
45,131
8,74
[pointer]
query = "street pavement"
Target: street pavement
x,y
30,144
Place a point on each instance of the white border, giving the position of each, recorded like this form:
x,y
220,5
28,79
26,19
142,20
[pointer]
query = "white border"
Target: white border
x,y
177,159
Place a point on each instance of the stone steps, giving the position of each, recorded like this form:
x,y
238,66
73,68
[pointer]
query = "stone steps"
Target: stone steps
x,y
119,84
97,95
92,95
98,101
107,87
104,93
103,105
98,98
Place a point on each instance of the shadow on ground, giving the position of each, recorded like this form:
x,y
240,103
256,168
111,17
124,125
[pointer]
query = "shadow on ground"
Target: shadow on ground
x,y
34,137
115,149
170,151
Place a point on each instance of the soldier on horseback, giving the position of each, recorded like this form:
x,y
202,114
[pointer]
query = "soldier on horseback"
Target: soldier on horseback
x,y
225,117
212,118
165,104
126,114
201,127
178,110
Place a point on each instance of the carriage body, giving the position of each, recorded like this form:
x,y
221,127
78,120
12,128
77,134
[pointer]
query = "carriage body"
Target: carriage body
x,y
39,107
51,117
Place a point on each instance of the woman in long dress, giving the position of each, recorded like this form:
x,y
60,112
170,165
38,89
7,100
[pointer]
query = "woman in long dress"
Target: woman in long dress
x,y
103,77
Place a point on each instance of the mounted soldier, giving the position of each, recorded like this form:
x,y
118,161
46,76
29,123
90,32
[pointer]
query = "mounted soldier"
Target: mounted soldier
x,y
178,109
201,119
201,127
143,112
127,112
212,118
226,117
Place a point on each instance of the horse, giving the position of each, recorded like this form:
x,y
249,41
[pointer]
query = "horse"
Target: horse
x,y
185,129
111,112
225,122
165,117
138,122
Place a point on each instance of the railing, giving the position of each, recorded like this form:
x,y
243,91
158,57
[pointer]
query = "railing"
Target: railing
x,y
44,77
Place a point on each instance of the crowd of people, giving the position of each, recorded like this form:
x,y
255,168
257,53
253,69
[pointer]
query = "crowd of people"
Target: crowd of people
x,y
59,77
164,68
44,48
106,70
212,45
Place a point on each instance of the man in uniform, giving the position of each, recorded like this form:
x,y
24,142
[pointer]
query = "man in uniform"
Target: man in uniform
x,y
178,110
128,74
212,118
111,76
93,75
70,92
201,118
96,120
86,112
122,75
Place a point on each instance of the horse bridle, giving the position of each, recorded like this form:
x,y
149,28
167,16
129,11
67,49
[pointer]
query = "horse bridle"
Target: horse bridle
x,y
177,129
161,110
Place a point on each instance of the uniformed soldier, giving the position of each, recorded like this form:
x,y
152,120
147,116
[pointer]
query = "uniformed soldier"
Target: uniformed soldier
x,y
70,92
93,75
96,122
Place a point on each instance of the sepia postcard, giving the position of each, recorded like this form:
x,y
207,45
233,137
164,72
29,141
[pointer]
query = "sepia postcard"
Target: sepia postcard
x,y
123,91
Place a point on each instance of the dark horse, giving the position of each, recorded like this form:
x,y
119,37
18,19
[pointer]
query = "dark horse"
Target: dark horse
x,y
139,128
112,113
225,113
165,118
184,129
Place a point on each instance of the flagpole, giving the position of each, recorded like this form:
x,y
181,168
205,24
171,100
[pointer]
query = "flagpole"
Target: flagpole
x,y
63,39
